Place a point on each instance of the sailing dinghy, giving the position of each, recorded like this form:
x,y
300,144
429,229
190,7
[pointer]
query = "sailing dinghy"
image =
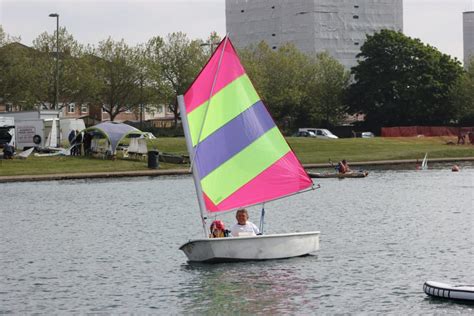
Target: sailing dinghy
x,y
239,158
424,164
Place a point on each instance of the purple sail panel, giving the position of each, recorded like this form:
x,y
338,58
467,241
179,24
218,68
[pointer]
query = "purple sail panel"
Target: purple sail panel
x,y
232,138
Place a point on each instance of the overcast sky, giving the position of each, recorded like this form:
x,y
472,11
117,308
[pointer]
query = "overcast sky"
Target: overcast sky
x,y
436,22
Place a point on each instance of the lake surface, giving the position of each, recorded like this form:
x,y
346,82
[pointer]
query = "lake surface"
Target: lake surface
x,y
111,246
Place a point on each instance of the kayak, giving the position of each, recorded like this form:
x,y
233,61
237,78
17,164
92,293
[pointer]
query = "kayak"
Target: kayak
x,y
454,292
352,174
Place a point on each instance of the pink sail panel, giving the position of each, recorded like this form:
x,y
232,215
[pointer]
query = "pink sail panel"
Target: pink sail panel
x,y
200,90
284,177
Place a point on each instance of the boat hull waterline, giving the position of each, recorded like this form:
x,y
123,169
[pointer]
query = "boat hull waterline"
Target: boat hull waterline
x,y
265,247
454,292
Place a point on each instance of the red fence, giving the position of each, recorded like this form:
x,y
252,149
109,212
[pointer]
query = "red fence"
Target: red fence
x,y
409,131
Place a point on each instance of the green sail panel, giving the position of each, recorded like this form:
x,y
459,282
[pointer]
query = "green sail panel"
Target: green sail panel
x,y
245,166
225,105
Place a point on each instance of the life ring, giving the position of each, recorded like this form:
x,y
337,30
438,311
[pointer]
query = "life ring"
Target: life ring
x,y
37,139
454,292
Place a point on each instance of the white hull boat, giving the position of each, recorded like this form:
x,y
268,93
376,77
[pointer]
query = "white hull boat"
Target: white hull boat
x,y
454,292
265,247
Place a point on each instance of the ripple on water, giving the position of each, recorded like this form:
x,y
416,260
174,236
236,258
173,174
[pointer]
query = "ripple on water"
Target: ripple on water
x,y
111,246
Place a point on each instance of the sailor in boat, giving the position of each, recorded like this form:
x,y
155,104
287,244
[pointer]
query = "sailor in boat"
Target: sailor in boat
x,y
218,230
343,167
243,227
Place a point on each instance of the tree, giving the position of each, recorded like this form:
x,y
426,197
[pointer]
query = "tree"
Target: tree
x,y
280,78
14,71
463,95
146,94
153,55
298,89
176,62
327,87
77,83
211,44
117,68
3,36
16,68
401,81
6,38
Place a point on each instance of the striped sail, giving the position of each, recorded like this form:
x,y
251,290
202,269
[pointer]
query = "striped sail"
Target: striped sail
x,y
239,155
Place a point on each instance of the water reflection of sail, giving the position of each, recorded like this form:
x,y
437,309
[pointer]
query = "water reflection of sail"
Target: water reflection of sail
x,y
248,290
239,158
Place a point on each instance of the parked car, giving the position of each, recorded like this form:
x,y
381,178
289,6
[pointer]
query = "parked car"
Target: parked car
x,y
367,135
305,134
319,133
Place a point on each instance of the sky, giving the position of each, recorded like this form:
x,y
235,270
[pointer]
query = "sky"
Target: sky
x,y
434,22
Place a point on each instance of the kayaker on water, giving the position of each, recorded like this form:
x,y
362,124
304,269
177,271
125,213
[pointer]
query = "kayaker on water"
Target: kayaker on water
x,y
343,167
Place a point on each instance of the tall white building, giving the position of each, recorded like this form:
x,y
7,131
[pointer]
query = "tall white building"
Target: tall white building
x,y
336,26
468,35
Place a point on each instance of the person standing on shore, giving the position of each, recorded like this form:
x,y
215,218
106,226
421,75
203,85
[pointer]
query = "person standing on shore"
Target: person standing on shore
x,y
71,136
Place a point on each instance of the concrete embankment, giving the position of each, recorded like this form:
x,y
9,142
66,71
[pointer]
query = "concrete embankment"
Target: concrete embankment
x,y
390,162
185,171
93,175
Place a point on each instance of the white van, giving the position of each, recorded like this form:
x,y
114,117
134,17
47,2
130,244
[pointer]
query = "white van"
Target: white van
x,y
7,131
319,132
30,133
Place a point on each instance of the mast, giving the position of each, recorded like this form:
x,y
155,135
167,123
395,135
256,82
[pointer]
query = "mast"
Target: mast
x,y
189,145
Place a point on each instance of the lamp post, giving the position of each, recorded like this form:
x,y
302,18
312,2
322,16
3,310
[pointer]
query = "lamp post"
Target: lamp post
x,y
56,80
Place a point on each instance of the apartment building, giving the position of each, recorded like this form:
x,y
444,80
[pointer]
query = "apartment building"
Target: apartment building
x,y
338,27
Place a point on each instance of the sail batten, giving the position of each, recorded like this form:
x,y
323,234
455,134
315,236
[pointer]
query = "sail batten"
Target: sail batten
x,y
241,158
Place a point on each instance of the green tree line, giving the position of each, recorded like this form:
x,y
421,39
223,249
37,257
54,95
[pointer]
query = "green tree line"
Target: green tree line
x,y
398,81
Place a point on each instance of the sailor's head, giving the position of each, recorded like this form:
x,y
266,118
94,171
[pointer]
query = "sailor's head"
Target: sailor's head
x,y
242,216
217,225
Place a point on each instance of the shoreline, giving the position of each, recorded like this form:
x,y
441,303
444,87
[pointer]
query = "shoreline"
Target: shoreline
x,y
185,171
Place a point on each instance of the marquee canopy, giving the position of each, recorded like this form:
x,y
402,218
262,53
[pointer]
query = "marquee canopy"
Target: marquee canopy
x,y
114,132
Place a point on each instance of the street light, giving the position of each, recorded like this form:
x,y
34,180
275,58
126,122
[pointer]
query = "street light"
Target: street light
x,y
56,80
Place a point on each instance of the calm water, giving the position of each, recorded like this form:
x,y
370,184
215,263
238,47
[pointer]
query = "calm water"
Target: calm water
x,y
112,247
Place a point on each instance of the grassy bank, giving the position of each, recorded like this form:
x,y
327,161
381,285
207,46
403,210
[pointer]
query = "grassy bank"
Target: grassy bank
x,y
308,151
373,149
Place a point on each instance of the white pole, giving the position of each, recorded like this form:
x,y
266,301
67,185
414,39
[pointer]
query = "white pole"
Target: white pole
x,y
189,145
